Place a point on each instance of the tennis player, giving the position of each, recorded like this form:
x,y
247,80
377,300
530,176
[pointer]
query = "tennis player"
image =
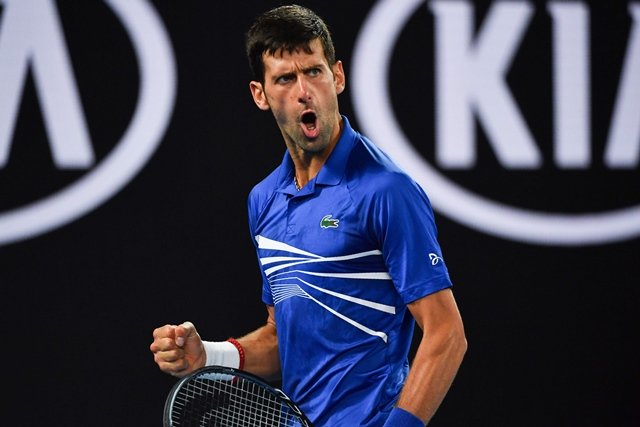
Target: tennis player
x,y
347,246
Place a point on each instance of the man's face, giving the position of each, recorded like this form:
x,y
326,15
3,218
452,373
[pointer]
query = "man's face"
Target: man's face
x,y
302,90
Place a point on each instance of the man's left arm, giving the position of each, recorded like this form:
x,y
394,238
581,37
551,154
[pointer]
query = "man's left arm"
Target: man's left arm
x,y
438,357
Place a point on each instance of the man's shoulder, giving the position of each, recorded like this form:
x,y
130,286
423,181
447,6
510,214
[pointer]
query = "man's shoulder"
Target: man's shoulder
x,y
372,166
269,182
266,188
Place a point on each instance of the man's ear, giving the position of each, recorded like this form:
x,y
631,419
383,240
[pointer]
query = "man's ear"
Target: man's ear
x,y
339,77
259,97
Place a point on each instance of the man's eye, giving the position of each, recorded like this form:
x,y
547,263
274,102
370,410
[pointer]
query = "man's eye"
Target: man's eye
x,y
313,72
284,79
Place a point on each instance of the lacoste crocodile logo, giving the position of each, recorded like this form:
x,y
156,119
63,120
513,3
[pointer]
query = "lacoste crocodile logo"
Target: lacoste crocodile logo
x,y
328,222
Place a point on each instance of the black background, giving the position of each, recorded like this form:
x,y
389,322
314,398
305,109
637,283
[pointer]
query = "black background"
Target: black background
x,y
551,330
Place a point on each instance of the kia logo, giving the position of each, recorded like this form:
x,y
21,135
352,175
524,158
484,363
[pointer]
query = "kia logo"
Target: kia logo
x,y
470,66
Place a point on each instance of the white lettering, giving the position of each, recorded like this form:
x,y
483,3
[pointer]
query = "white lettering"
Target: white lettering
x,y
470,77
623,144
31,37
571,84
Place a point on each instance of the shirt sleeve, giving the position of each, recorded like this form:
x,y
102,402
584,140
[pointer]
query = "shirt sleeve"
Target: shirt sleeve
x,y
405,228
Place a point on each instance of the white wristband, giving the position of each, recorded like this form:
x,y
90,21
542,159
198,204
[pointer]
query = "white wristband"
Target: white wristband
x,y
221,353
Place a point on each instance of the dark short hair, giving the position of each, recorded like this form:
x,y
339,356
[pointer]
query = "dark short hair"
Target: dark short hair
x,y
286,28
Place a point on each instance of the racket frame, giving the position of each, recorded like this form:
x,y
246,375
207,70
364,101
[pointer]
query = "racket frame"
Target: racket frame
x,y
232,372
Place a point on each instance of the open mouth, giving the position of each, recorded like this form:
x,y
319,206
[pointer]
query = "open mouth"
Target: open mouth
x,y
309,124
309,120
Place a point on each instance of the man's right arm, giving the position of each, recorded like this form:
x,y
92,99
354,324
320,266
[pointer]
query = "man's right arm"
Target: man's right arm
x,y
178,349
261,349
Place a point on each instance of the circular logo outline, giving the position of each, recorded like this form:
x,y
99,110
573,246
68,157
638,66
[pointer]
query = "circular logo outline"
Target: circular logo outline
x,y
156,98
371,100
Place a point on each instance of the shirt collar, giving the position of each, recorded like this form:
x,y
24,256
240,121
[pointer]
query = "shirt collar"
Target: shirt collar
x,y
332,171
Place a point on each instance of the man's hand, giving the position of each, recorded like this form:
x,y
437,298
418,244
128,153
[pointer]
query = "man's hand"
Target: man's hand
x,y
178,349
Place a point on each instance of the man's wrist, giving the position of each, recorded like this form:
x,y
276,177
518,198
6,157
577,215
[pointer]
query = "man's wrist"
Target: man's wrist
x,y
222,353
402,418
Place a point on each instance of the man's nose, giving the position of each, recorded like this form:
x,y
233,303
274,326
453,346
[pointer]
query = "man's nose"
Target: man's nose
x,y
303,90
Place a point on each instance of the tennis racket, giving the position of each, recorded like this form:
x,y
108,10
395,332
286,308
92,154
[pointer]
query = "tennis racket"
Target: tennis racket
x,y
217,396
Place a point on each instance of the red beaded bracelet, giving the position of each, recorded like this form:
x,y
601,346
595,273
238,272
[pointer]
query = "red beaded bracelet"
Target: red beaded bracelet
x,y
240,351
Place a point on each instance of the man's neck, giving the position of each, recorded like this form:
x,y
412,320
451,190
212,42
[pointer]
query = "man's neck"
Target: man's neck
x,y
307,164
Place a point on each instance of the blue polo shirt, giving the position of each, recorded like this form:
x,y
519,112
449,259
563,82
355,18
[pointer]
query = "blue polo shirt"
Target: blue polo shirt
x,y
340,259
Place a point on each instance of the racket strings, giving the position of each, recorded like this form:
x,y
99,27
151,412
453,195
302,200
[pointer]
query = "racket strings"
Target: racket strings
x,y
225,401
